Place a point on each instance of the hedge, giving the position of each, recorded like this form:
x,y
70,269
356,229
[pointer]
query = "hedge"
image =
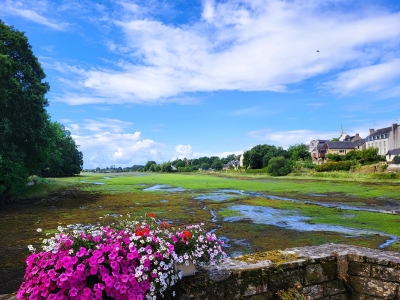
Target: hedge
x,y
334,166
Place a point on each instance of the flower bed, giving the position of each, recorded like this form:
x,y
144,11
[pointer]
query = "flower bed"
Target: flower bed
x,y
129,259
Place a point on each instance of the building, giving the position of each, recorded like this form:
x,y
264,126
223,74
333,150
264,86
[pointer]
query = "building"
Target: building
x,y
316,151
385,139
340,148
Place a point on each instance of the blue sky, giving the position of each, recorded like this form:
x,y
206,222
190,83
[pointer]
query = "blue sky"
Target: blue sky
x,y
157,80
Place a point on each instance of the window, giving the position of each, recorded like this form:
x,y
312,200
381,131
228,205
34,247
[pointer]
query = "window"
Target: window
x,y
341,151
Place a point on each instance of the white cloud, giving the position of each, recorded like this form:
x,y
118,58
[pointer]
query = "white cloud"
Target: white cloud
x,y
366,79
105,124
28,11
239,45
183,151
120,149
291,137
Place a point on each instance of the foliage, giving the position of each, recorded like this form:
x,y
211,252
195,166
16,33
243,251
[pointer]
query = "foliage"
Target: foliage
x,y
259,156
130,259
370,155
66,160
217,165
396,160
279,166
291,294
384,176
334,166
299,151
28,140
334,157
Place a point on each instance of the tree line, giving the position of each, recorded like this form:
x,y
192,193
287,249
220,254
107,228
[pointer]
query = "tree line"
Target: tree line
x,y
275,160
30,143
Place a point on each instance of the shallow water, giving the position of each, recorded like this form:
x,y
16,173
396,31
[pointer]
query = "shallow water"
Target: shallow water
x,y
293,221
164,188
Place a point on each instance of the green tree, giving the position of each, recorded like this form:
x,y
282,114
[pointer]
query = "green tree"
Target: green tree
x,y
370,155
217,165
396,160
148,165
24,122
63,156
352,155
205,166
299,151
333,157
278,166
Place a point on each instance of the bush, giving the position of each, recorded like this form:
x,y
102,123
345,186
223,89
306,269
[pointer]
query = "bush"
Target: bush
x,y
257,171
334,166
385,176
279,166
396,160
333,157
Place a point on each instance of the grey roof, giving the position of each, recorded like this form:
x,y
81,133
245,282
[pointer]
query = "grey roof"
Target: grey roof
x,y
394,152
340,145
359,142
381,131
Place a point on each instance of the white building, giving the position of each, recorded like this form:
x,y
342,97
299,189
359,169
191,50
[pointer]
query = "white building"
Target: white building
x,y
384,139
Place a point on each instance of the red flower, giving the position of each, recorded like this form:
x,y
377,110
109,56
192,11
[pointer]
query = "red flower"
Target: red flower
x,y
187,234
151,215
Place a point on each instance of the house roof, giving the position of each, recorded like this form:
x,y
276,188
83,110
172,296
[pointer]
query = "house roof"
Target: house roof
x,y
394,152
340,145
381,131
359,142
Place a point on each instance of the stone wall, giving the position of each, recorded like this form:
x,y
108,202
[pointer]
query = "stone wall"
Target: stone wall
x,y
328,272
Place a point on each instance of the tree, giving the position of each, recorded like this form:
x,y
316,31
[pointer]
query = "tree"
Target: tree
x,y
217,165
396,160
23,118
370,154
279,166
204,166
299,151
148,165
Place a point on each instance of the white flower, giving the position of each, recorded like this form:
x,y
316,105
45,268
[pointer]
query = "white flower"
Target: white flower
x,y
39,230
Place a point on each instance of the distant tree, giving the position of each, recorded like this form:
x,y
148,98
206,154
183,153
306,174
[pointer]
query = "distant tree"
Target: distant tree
x,y
148,165
352,155
299,151
335,140
396,160
217,165
179,163
273,151
204,166
279,166
166,167
370,155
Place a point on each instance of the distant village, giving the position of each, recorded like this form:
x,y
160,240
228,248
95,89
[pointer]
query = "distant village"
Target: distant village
x,y
386,140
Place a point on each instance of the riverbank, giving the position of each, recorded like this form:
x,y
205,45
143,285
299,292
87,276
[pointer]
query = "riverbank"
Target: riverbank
x,y
208,198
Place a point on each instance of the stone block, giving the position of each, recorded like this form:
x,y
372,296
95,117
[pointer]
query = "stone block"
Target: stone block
x,y
359,269
317,273
314,291
339,297
356,257
334,287
385,273
279,279
373,287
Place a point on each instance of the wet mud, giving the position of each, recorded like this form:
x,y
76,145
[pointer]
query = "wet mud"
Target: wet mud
x,y
19,220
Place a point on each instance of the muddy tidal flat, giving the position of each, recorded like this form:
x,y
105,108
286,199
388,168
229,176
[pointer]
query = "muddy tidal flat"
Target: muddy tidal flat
x,y
249,214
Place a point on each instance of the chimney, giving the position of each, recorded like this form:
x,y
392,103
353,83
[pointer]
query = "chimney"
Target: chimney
x,y
394,126
371,131
357,135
